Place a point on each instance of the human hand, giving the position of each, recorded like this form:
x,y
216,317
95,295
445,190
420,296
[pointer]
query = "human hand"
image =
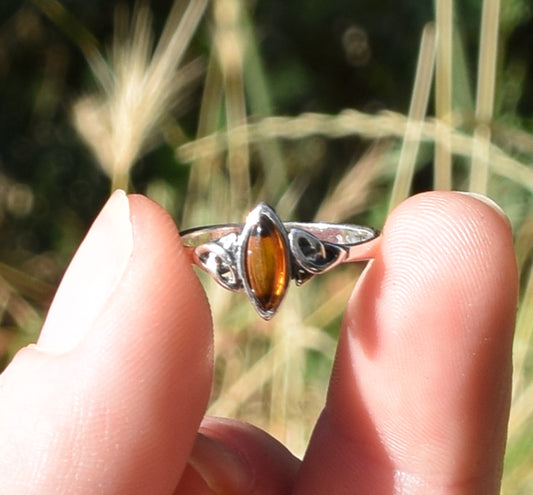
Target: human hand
x,y
111,397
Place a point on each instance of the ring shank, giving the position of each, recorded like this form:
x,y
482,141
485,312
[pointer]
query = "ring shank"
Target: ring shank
x,y
341,234
345,235
195,237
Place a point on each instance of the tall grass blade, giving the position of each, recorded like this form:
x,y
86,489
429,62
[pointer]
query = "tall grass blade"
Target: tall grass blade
x,y
486,82
417,113
443,94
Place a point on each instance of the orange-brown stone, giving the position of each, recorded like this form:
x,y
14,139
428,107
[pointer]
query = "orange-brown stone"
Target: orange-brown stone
x,y
266,264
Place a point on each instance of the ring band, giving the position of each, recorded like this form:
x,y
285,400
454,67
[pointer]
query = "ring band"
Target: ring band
x,y
261,256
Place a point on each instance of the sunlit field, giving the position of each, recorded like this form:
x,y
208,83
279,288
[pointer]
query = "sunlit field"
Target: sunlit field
x,y
185,107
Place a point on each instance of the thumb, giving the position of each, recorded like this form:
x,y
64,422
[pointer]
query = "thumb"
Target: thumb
x,y
113,393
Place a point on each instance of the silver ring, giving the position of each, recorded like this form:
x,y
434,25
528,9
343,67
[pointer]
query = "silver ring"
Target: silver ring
x,y
262,255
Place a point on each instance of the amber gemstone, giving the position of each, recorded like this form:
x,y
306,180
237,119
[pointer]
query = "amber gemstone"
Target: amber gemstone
x,y
266,264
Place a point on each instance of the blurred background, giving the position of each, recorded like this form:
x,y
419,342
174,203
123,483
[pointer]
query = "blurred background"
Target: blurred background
x,y
326,110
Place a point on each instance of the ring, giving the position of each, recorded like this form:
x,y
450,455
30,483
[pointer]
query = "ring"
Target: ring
x,y
261,256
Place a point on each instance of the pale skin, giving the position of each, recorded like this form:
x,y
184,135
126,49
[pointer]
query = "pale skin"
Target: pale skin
x,y
112,397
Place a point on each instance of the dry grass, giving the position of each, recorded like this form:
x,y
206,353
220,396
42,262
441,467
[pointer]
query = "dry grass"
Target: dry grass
x,y
138,86
275,374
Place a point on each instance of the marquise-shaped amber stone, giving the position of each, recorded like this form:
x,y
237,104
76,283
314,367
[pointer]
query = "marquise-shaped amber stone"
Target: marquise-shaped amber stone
x,y
266,264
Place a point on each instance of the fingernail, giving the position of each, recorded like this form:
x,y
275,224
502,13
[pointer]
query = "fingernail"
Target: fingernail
x,y
488,201
91,277
221,468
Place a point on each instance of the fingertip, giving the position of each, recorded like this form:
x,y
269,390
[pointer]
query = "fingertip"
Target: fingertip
x,y
94,271
451,212
422,372
150,221
130,392
449,242
153,346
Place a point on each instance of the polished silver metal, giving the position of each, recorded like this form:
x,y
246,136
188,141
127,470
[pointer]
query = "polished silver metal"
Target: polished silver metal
x,y
308,249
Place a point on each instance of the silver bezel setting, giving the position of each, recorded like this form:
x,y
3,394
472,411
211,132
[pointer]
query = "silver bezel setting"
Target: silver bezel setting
x,y
253,220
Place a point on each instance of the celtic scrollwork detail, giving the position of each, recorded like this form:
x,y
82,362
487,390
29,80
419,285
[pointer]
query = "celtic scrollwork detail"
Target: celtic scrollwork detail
x,y
217,258
311,256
